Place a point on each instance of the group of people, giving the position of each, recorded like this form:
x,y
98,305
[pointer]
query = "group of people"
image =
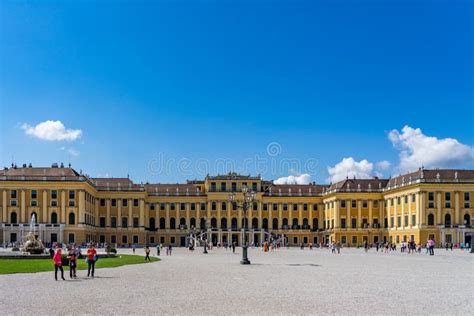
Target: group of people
x,y
73,254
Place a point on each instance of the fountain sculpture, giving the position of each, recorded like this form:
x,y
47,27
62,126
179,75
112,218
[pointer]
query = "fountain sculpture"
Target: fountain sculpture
x,y
32,245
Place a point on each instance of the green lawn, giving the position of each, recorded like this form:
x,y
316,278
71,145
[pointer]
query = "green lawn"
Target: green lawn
x,y
9,266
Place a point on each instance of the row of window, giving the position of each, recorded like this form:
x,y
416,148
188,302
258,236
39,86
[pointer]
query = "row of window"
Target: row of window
x,y
223,186
447,200
113,202
202,206
53,218
34,194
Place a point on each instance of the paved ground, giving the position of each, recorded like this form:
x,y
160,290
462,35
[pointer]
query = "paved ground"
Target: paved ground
x,y
284,282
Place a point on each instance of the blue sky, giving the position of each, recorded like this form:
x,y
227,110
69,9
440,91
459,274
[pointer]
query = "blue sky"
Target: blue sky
x,y
185,83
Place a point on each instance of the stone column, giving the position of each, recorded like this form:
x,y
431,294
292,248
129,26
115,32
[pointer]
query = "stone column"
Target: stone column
x,y
423,208
456,208
337,221
417,209
63,207
239,223
23,207
188,216
359,213
270,216
260,219
130,213
142,213
370,213
381,213
348,213
4,208
410,222
280,216
219,214
229,215
167,218
107,218
300,213
82,200
403,211
119,212
44,216
438,206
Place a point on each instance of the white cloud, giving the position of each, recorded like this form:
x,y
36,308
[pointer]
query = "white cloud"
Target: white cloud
x,y
417,149
71,151
52,131
294,179
382,165
348,167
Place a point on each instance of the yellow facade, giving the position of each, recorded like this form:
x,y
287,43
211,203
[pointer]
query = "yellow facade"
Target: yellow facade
x,y
72,207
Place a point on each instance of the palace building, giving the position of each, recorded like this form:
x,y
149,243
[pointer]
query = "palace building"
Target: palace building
x,y
72,207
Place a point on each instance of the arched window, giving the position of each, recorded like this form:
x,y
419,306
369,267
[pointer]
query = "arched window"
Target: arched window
x,y
54,218
467,219
315,223
13,218
202,222
162,223
255,222
234,223
193,222
36,216
430,219
295,223
285,223
245,222
182,221
447,220
72,218
305,222
224,223
172,223
265,223
152,223
213,222
275,223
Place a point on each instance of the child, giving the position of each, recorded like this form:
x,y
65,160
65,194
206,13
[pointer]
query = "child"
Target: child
x,y
72,262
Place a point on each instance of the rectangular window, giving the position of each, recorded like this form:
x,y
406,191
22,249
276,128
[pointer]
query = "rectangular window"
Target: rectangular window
x,y
203,206
114,202
71,203
223,186
365,223
182,206
343,203
135,202
399,221
124,202
213,206
255,206
113,222
54,203
392,221
353,203
54,194
295,207
172,207
124,239
135,222
102,221
413,219
315,207
405,220
376,223
275,207
447,198
152,206
431,200
354,222
399,200
285,207
102,202
12,202
213,186
113,239
13,194
193,206
34,203
413,198
343,223
234,186
354,240
34,194
135,239
364,203
124,222
343,240
224,206
265,207
376,203
305,207
254,186
72,195
467,200
162,206
406,199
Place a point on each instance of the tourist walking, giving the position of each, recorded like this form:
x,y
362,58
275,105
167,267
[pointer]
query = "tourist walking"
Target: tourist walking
x,y
72,256
431,244
158,246
58,265
147,253
170,249
366,246
233,247
133,249
91,259
338,247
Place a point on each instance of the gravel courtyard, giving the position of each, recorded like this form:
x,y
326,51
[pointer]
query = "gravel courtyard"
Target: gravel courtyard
x,y
288,281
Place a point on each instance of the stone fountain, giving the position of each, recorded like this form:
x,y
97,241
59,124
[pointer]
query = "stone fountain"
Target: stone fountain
x,y
32,245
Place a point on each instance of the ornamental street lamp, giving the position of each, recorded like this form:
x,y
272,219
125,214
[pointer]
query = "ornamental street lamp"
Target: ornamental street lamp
x,y
249,198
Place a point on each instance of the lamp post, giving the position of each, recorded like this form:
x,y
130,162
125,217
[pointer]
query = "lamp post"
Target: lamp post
x,y
248,199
